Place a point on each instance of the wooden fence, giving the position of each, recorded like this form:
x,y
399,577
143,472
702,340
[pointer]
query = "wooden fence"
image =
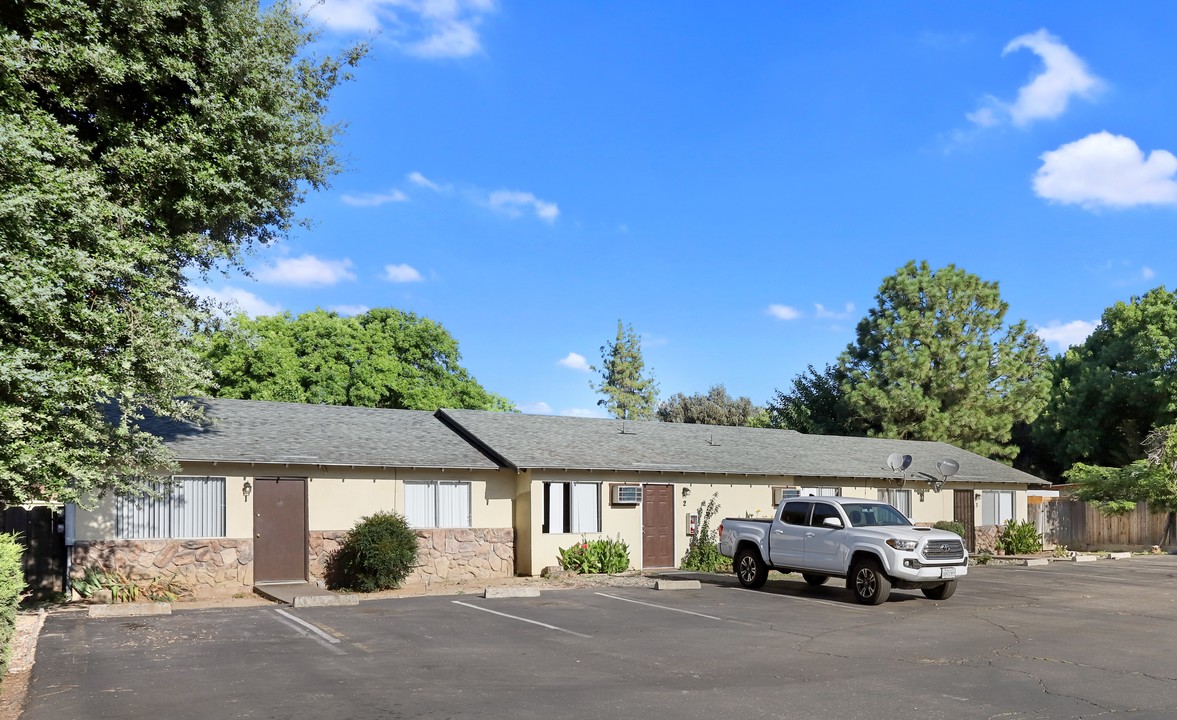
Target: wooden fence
x,y
1079,526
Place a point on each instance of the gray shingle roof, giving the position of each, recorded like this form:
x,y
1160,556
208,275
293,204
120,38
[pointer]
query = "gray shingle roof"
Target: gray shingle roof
x,y
535,441
292,433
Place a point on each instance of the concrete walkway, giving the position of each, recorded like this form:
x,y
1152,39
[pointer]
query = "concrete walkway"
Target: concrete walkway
x,y
303,594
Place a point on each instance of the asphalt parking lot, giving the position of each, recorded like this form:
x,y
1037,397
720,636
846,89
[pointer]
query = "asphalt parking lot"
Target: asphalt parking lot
x,y
1069,640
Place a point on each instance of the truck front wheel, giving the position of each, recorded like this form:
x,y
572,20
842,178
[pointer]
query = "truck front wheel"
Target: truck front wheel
x,y
940,592
868,582
750,569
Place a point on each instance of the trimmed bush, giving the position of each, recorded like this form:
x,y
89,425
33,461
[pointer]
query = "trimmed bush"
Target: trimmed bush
x,y
1019,538
12,584
596,556
378,554
951,526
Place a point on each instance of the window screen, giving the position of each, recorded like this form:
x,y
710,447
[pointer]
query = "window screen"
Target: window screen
x,y
997,507
193,508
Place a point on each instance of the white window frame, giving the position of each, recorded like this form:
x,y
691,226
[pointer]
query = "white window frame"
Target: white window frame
x,y
991,507
188,502
442,503
571,508
891,496
821,491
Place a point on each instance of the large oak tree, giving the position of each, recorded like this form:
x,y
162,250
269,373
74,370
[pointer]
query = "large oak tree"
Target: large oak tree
x,y
139,140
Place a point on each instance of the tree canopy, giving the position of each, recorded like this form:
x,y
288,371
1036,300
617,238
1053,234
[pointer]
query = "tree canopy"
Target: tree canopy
x,y
1109,393
383,358
629,392
138,140
815,405
935,360
714,408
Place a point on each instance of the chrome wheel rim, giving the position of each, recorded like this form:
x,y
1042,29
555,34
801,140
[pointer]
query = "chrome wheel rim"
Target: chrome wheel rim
x,y
747,569
866,583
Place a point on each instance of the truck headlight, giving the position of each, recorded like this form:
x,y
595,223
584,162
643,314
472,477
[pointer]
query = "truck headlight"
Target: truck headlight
x,y
898,544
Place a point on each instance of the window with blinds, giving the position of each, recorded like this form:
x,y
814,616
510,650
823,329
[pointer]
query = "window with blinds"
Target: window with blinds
x,y
440,504
194,507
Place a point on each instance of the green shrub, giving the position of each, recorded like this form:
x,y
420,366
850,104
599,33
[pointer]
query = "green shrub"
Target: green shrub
x,y
1019,538
596,556
951,526
378,554
12,584
703,553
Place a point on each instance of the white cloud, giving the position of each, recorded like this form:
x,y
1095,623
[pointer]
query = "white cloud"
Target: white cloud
x,y
233,300
418,179
424,28
1064,335
1105,170
307,271
402,273
583,413
783,312
374,199
576,361
513,203
350,309
1147,273
536,408
1064,75
822,312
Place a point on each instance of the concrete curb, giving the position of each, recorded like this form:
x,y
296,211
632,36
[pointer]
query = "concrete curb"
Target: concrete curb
x,y
308,601
677,585
130,610
1084,558
1035,561
510,592
1118,556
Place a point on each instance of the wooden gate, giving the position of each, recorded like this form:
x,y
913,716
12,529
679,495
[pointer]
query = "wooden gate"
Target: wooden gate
x,y
657,526
280,530
963,509
41,529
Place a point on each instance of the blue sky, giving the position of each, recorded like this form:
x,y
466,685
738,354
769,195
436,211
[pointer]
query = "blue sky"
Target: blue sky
x,y
733,181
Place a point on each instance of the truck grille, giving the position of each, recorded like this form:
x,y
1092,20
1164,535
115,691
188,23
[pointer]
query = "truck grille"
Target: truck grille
x,y
944,550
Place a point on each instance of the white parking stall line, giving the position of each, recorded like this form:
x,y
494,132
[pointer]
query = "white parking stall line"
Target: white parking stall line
x,y
844,606
520,619
1066,574
317,634
660,607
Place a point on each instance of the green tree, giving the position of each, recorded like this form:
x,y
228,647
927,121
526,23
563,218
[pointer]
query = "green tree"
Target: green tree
x,y
139,139
1111,391
382,358
935,360
714,408
1151,480
628,392
815,405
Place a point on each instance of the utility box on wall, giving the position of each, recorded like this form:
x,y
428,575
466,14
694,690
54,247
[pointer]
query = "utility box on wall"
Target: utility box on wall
x,y
692,524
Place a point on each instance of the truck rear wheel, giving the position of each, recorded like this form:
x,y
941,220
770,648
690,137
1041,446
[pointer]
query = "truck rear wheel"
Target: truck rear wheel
x,y
940,592
868,582
814,579
750,569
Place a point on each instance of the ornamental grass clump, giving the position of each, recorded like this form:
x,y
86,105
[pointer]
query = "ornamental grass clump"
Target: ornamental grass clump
x,y
592,557
378,554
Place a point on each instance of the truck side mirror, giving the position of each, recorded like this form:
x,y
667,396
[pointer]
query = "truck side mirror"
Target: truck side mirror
x,y
832,522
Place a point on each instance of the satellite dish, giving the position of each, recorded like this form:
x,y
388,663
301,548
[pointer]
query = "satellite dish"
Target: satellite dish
x,y
947,467
899,462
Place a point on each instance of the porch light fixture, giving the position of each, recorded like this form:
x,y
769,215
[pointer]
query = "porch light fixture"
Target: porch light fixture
x,y
686,491
246,489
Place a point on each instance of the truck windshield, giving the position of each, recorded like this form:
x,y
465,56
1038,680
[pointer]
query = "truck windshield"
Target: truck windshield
x,y
874,514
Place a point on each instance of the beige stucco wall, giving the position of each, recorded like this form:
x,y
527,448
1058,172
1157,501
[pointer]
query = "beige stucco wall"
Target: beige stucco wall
x,y
336,497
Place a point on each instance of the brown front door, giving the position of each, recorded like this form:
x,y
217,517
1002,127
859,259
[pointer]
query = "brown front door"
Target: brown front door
x,y
963,507
657,526
279,529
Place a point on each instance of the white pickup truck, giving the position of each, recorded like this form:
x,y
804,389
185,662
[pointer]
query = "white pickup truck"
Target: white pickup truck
x,y
868,542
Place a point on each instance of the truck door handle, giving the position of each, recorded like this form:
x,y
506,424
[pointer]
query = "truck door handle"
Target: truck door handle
x,y
809,535
778,532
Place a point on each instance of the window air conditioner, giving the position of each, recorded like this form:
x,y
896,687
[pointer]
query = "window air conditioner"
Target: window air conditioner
x,y
626,494
780,494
